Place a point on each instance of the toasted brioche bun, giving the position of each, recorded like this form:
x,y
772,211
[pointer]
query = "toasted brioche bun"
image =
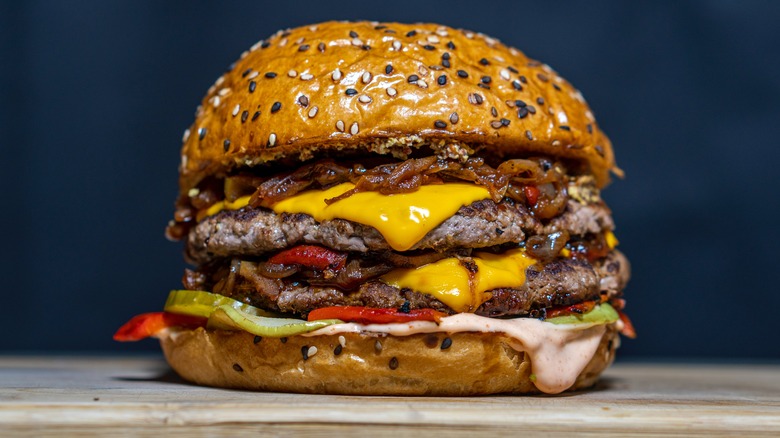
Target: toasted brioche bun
x,y
287,100
474,363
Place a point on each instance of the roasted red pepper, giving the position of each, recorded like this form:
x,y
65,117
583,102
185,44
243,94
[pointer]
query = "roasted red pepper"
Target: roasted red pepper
x,y
149,324
310,256
369,315
579,309
628,328
531,194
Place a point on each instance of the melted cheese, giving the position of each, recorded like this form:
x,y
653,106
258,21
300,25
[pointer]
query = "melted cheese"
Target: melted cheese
x,y
462,289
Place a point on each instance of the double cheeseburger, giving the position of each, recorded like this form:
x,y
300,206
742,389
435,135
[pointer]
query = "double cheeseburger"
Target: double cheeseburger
x,y
384,208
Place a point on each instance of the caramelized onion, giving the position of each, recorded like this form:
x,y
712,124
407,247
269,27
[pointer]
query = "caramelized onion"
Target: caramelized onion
x,y
274,270
546,248
352,276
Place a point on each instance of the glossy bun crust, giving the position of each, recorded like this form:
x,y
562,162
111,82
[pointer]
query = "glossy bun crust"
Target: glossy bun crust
x,y
387,88
474,363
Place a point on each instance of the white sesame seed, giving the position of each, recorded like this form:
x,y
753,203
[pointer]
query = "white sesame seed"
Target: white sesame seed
x,y
313,111
307,77
391,91
299,40
224,92
366,77
505,75
422,84
336,75
378,346
442,32
219,81
354,129
252,75
283,42
193,192
433,39
312,351
397,45
357,42
313,28
364,98
256,45
342,341
216,101
340,126
272,139
185,136
469,35
292,73
236,109
562,118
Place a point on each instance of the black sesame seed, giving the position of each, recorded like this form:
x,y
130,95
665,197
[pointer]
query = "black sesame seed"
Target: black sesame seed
x,y
276,107
257,339
505,122
350,92
446,343
519,103
202,133
529,135
512,69
590,128
365,47
522,112
523,79
445,55
226,145
337,350
531,109
283,340
303,47
454,118
380,27
393,363
486,79
499,231
252,86
255,115
599,149
238,368
445,63
442,80
517,85
244,116
540,100
441,124
353,34
388,69
484,61
286,34
265,44
478,98
321,47
246,72
494,111
463,74
451,45
305,352
429,47
557,87
378,346
481,85
496,124
565,128
270,75
412,79
304,101
411,33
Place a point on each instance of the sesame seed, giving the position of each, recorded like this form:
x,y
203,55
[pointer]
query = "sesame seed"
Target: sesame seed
x,y
246,72
276,107
396,45
307,77
226,145
494,111
202,133
505,122
557,87
486,79
484,61
354,129
353,34
366,78
590,129
272,139
505,74
429,47
283,42
441,124
364,98
305,352
441,32
303,47
350,91
253,75
312,351
238,368
565,128
446,343
531,109
224,92
283,340
321,47
463,74
510,103
340,126
393,363
422,84
292,73
454,118
357,42
378,346
411,33
336,75
540,100
244,116
388,69
445,55
445,63
451,45
313,112
517,85
433,39
512,69
391,91
523,79
264,44
496,124
412,79
270,75
236,109
522,112
475,98
520,103
342,341
255,115
529,135
442,80
252,86
303,100
481,85
257,339
185,136
337,350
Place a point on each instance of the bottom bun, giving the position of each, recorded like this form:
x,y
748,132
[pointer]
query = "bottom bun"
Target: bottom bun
x,y
420,364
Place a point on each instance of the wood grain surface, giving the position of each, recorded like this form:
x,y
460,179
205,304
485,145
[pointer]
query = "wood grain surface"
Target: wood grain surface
x,y
53,396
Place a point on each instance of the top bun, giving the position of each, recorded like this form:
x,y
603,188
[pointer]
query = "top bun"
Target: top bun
x,y
386,88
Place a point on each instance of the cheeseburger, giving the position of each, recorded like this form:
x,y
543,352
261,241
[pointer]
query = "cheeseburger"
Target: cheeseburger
x,y
384,208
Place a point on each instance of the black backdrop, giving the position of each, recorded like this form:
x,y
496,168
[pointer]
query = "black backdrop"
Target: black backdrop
x,y
95,96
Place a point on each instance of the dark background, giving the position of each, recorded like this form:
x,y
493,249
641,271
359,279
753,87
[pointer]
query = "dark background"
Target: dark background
x,y
95,96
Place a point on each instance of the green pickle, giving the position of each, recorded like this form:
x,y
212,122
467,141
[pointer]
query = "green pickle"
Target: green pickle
x,y
228,318
201,303
601,314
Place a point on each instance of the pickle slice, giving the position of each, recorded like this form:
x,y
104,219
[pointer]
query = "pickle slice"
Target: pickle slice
x,y
229,318
201,303
601,314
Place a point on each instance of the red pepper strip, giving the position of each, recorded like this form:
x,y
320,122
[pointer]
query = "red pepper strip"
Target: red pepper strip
x,y
531,194
369,315
311,256
628,328
149,324
584,307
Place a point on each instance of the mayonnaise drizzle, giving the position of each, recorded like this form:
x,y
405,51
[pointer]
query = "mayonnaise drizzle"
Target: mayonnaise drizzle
x,y
558,353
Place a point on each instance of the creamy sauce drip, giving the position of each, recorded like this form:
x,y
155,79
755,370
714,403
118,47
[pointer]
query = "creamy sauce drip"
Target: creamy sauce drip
x,y
558,353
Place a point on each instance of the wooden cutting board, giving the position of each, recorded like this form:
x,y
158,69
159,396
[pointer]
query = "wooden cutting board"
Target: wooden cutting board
x,y
52,396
